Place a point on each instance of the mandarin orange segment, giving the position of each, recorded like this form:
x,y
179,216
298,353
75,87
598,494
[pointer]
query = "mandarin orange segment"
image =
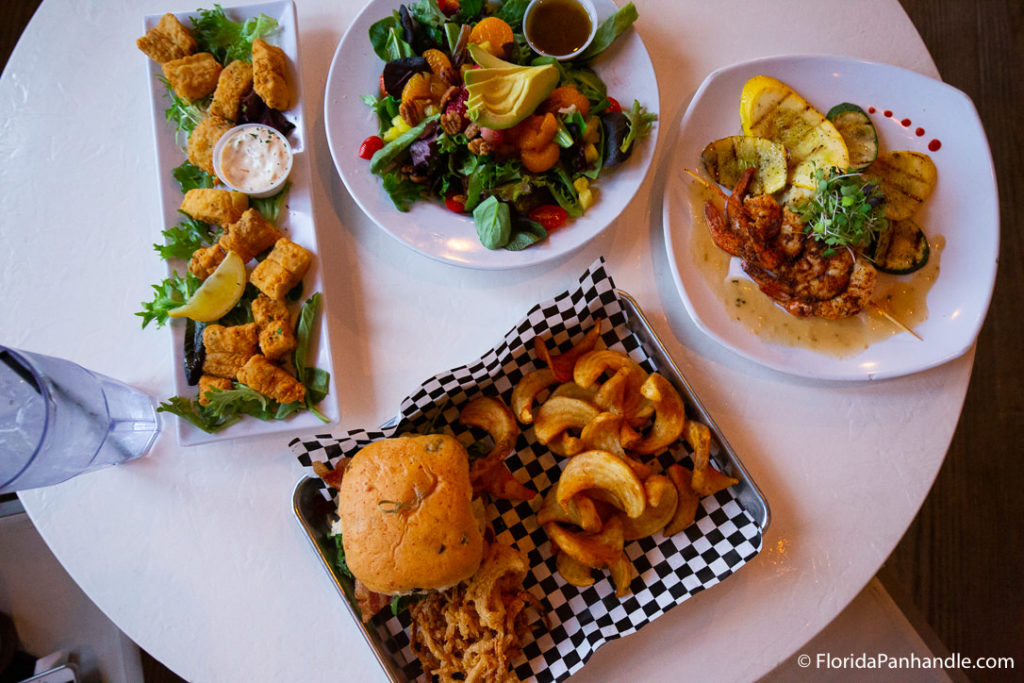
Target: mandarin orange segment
x,y
417,88
493,34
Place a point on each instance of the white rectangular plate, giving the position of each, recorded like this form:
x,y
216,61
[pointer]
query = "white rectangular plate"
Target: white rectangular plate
x,y
296,222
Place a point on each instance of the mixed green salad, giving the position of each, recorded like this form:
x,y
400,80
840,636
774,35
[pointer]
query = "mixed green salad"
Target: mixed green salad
x,y
227,40
471,116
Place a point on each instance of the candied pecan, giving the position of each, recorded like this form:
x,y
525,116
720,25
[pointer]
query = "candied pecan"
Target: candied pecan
x,y
451,122
472,130
480,146
411,111
449,94
449,75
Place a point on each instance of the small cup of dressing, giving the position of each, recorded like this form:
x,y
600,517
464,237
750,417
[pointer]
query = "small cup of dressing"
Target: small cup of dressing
x,y
562,29
253,158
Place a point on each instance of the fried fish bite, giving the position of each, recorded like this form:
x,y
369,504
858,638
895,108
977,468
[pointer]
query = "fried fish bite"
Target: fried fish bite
x,y
214,205
229,348
205,260
273,323
250,235
208,382
270,75
194,76
283,268
232,84
168,40
263,376
203,139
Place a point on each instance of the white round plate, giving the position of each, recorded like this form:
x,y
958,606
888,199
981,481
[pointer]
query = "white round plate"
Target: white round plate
x,y
963,208
428,227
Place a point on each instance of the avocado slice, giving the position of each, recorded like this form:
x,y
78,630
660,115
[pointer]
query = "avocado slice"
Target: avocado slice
x,y
502,94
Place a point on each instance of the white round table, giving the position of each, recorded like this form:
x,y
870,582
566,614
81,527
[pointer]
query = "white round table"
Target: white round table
x,y
194,552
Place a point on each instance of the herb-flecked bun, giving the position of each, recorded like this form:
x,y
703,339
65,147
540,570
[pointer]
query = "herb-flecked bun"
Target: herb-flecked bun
x,y
407,516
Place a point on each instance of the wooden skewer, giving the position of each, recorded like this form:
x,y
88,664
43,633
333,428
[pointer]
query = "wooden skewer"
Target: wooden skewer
x,y
884,313
708,185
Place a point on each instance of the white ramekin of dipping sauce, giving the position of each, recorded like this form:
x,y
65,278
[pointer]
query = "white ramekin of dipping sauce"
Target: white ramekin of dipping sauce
x,y
558,28
253,158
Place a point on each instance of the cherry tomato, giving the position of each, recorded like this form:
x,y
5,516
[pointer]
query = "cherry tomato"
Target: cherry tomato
x,y
453,204
370,146
449,7
613,105
550,216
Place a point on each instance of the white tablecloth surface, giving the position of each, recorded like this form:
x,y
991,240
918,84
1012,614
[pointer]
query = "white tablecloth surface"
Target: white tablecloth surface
x,y
194,552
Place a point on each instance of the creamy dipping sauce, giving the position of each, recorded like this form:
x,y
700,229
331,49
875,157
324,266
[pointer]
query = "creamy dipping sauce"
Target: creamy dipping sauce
x,y
254,159
903,297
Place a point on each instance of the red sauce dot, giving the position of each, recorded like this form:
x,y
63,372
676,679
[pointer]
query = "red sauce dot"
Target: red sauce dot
x,y
905,123
871,110
919,132
887,114
934,145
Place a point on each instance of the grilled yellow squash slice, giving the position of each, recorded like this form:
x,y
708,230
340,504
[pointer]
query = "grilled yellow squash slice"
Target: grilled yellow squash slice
x,y
771,109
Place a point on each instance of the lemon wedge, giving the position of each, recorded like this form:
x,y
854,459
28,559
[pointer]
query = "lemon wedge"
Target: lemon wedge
x,y
771,109
218,294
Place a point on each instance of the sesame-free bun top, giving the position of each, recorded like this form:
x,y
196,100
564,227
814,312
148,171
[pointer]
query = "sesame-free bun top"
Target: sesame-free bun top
x,y
407,517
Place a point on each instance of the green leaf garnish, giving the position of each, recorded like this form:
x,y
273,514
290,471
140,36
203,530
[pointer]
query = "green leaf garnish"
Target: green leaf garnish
x,y
847,210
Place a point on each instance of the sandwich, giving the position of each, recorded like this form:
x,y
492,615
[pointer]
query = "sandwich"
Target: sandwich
x,y
407,514
410,525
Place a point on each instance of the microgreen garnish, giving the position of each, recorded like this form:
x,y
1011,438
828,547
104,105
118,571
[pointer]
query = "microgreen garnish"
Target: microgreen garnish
x,y
847,210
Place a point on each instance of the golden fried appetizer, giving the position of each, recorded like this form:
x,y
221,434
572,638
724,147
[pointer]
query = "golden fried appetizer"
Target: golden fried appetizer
x,y
214,205
194,76
250,235
205,260
168,40
207,382
229,348
283,268
270,75
263,376
203,138
273,323
234,81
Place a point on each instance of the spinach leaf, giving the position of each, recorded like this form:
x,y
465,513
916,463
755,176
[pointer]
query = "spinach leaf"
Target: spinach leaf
x,y
387,39
469,10
493,223
313,378
512,12
609,30
525,233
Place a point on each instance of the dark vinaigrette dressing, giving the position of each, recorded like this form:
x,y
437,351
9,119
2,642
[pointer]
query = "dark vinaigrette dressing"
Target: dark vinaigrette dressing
x,y
558,27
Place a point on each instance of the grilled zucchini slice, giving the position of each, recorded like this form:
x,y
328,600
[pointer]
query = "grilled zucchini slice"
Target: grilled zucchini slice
x,y
902,248
858,133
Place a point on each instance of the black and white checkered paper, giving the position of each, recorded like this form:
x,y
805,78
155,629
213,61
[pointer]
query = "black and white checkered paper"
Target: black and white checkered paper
x,y
668,570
